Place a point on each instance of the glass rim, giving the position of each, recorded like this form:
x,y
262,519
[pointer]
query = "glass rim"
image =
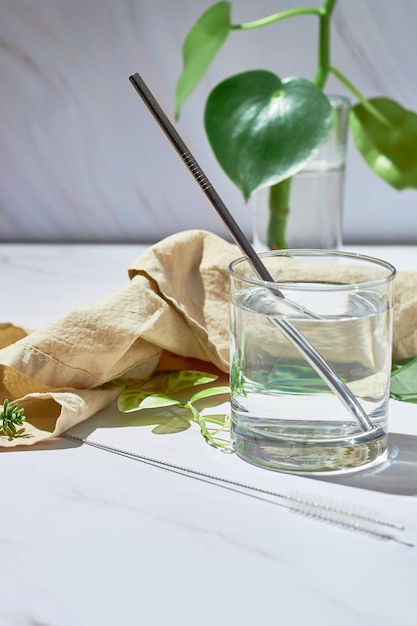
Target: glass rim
x,y
305,252
337,98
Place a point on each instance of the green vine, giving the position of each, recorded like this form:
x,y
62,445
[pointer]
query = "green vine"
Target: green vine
x,y
172,389
276,17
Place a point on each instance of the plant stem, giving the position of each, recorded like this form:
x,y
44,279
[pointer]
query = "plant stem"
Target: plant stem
x,y
328,7
276,17
324,44
279,196
200,420
364,101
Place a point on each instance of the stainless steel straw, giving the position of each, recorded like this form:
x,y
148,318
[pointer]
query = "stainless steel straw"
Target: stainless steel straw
x,y
311,355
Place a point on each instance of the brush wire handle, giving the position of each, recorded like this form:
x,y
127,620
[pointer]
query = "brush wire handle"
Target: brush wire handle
x,y
308,505
311,355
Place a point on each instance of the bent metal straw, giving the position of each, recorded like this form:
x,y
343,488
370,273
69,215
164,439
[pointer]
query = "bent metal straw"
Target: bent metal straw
x,y
311,355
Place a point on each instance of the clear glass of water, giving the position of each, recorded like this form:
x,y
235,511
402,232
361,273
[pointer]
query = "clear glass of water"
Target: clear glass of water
x,y
284,416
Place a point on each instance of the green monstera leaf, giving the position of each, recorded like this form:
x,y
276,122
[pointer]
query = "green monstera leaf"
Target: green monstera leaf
x,y
201,45
263,129
389,148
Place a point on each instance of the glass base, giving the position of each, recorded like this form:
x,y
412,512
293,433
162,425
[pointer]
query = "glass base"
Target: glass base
x,y
311,457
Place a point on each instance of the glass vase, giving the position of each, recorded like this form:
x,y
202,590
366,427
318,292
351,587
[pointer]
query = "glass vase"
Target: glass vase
x,y
315,204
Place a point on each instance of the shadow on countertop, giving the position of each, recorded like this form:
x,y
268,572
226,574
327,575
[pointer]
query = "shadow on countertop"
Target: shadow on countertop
x,y
397,475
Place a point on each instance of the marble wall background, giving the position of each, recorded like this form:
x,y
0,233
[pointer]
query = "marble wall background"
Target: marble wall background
x,y
81,159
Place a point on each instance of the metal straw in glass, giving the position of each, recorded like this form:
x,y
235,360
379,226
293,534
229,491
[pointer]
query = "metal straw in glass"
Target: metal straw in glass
x,y
311,355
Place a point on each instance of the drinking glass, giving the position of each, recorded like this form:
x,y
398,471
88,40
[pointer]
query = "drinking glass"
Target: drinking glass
x,y
283,415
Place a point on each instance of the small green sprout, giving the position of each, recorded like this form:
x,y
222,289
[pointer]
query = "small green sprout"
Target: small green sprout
x,y
10,417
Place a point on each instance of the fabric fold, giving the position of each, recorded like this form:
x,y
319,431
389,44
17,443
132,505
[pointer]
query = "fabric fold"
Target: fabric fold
x,y
175,303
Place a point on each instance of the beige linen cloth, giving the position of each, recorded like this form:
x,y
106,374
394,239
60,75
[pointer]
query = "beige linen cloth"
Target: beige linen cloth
x,y
173,314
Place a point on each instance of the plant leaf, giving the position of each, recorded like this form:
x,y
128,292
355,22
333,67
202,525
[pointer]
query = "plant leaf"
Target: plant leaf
x,y
135,399
404,382
176,381
157,401
389,149
263,129
207,393
201,45
130,399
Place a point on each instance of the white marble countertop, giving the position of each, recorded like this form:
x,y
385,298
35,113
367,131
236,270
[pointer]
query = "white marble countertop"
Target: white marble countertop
x,y
93,538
